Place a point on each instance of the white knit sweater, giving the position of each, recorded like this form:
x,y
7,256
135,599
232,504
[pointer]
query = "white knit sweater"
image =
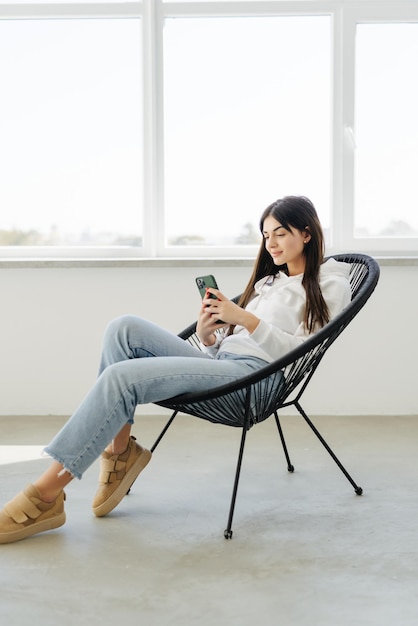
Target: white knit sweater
x,y
279,303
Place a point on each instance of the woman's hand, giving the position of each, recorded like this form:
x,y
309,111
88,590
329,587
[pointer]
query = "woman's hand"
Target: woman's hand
x,y
221,309
207,324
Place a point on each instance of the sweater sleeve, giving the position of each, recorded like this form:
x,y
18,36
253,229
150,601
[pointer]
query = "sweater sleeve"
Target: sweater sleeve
x,y
212,350
276,342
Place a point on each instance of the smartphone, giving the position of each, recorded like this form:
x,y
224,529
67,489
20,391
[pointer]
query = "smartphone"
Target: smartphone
x,y
203,282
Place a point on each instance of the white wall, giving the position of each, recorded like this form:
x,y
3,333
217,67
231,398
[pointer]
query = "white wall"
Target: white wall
x,y
52,321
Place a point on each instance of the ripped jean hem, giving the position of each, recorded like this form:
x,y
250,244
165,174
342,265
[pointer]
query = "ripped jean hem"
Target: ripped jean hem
x,y
53,456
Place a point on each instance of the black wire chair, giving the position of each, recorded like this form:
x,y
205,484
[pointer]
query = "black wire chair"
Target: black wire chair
x,y
280,384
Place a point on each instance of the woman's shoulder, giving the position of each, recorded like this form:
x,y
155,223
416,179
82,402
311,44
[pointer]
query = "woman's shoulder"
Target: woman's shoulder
x,y
331,267
334,279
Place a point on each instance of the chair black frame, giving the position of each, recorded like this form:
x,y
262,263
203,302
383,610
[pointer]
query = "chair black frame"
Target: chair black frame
x,y
245,402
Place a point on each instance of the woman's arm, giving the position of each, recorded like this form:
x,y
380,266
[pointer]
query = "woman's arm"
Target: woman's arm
x,y
275,341
212,311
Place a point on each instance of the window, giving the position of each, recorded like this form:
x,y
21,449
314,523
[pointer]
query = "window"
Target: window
x,y
386,186
71,128
244,124
159,128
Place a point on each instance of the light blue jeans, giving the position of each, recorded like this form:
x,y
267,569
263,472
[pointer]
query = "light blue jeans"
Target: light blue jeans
x,y
127,379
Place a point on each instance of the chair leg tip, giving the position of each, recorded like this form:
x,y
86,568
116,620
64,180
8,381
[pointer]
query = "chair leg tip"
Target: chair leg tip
x,y
228,534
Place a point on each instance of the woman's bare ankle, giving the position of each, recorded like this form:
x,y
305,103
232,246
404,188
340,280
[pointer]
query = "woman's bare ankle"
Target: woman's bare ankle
x,y
52,482
48,496
117,448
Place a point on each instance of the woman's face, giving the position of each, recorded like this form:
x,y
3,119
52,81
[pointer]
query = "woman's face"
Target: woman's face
x,y
284,246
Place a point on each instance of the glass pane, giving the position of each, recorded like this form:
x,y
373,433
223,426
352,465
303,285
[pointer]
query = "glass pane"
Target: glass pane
x,y
71,132
386,131
247,120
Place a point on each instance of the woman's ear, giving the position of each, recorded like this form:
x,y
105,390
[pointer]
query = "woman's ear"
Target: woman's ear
x,y
307,235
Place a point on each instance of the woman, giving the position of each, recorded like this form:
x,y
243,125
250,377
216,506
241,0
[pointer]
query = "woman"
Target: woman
x,y
290,295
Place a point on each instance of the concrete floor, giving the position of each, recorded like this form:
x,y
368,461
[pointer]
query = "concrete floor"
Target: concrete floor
x,y
306,550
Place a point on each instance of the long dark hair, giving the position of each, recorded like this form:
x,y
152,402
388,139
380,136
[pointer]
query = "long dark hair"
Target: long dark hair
x,y
297,212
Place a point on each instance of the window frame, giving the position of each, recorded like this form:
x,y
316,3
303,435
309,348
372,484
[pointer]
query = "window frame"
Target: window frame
x,y
344,14
368,12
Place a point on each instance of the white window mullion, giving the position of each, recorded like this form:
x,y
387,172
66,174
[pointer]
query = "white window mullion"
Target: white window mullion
x,y
337,134
153,138
159,197
348,131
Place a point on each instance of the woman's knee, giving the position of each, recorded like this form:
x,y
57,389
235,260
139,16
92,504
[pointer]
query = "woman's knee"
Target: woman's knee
x,y
116,389
121,324
120,329
113,379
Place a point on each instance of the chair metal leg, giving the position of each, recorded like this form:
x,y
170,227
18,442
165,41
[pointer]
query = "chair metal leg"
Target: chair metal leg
x,y
358,490
163,432
290,467
228,530
157,441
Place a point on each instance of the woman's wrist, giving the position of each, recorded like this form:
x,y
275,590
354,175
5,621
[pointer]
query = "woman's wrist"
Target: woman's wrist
x,y
209,345
208,341
249,321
